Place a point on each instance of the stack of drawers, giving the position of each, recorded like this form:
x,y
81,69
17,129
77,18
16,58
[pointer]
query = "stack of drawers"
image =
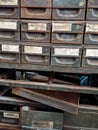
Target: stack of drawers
x,y
49,32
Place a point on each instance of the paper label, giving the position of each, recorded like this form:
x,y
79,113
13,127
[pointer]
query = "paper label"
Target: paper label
x,y
8,2
61,26
10,48
8,25
37,26
92,52
92,27
43,124
11,115
33,50
66,52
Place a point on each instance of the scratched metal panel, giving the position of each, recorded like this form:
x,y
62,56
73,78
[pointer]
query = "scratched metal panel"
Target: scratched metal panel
x,y
35,54
41,120
68,14
36,3
91,33
36,13
66,56
9,52
90,56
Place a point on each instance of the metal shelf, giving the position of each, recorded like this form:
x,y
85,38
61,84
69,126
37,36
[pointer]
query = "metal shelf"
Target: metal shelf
x,y
30,67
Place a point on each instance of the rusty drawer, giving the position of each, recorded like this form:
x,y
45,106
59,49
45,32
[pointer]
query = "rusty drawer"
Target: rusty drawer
x,y
66,56
69,3
9,52
9,30
35,31
67,32
9,9
41,120
36,54
36,9
69,9
90,56
92,11
9,117
91,33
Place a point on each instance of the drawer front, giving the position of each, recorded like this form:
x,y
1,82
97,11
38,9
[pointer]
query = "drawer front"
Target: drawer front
x,y
38,31
36,3
9,12
66,56
92,14
35,54
66,38
90,57
91,33
68,14
42,120
9,53
36,13
9,117
69,3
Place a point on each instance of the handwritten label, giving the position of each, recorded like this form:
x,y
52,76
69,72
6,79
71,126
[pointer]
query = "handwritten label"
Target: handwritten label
x,y
92,52
66,52
8,25
10,48
8,2
92,27
37,26
11,115
61,26
33,49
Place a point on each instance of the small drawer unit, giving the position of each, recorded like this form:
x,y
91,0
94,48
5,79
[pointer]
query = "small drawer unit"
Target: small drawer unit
x,y
36,31
9,8
41,120
92,10
67,32
36,9
9,30
35,54
9,52
90,56
69,9
91,33
69,56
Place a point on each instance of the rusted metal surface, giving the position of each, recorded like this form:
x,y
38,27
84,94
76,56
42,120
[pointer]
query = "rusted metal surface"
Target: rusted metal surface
x,y
36,54
67,32
90,56
9,52
35,9
66,10
66,56
9,127
41,120
9,9
92,11
86,119
9,30
36,31
91,33
50,98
